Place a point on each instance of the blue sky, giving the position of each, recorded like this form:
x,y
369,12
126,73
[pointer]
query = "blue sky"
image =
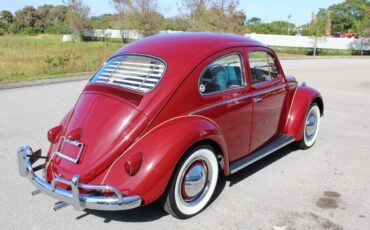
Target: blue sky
x,y
267,10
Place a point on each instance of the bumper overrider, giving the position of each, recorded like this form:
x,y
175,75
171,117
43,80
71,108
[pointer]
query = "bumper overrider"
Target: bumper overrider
x,y
117,201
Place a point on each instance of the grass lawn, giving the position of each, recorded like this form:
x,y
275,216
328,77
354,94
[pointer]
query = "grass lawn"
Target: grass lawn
x,y
24,58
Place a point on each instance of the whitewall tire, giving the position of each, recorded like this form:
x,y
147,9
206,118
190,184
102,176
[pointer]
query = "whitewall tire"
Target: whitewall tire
x,y
311,127
193,183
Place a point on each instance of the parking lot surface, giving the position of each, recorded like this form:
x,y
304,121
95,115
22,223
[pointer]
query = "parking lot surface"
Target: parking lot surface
x,y
325,187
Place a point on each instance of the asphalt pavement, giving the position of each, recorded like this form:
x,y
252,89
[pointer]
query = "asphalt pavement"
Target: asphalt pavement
x,y
325,187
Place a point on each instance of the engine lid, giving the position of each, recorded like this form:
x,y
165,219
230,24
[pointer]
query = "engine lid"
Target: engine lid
x,y
100,128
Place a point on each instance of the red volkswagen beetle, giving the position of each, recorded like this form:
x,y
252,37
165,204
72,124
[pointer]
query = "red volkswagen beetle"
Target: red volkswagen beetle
x,y
164,116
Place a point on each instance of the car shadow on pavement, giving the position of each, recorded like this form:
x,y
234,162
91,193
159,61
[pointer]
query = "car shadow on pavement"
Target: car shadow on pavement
x,y
146,213
260,164
155,211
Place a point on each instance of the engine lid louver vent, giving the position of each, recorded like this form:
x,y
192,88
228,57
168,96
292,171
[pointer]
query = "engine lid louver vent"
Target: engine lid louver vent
x,y
135,72
131,97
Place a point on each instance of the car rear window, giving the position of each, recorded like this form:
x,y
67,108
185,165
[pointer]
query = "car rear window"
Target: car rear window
x,y
136,72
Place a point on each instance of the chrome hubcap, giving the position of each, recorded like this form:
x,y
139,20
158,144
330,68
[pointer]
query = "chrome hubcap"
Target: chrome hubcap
x,y
194,182
311,125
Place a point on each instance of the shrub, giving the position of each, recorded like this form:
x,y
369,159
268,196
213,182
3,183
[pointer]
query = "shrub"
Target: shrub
x,y
59,28
30,31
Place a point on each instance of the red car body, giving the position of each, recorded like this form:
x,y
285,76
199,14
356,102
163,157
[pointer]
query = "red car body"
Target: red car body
x,y
149,132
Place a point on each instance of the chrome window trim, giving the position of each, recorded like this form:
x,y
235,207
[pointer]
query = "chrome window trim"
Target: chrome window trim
x,y
244,82
133,54
280,77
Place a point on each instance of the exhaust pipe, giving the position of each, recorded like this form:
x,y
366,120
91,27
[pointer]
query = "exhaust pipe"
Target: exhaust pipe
x,y
60,204
34,193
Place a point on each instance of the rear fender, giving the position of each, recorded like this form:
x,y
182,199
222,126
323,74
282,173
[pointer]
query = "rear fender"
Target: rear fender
x,y
162,148
303,98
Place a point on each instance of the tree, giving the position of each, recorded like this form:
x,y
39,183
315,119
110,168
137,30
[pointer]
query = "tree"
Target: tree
x,y
144,16
57,14
254,21
228,17
328,25
194,11
349,15
121,7
42,21
25,17
6,18
345,17
365,31
78,17
105,21
55,20
275,27
280,27
177,23
316,30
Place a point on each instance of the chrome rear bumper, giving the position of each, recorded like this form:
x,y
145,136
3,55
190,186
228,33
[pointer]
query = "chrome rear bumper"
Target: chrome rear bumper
x,y
79,201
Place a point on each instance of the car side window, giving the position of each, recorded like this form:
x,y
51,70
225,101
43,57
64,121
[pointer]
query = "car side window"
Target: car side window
x,y
263,67
223,74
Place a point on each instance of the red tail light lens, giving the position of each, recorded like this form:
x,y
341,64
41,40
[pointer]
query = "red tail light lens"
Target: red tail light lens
x,y
133,163
53,133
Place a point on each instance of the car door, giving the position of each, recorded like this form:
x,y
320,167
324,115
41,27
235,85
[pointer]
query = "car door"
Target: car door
x,y
268,95
225,98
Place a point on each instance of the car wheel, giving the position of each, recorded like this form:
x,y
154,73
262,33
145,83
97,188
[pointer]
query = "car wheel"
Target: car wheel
x,y
193,183
311,127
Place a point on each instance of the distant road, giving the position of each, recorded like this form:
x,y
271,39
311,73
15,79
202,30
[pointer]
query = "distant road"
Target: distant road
x,y
326,187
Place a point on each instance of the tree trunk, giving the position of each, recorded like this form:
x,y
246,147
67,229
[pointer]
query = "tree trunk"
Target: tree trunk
x,y
315,47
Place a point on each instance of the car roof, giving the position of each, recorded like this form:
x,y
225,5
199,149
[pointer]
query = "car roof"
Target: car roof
x,y
183,46
182,52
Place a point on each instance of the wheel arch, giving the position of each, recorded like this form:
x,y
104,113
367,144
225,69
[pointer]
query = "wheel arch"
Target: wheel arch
x,y
222,157
163,148
318,100
303,98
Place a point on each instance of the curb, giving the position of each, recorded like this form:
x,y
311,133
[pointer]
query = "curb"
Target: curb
x,y
44,82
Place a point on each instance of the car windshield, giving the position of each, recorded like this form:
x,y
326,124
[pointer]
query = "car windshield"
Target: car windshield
x,y
136,72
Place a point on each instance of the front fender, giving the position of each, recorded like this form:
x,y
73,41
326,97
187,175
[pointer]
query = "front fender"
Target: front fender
x,y
303,98
162,148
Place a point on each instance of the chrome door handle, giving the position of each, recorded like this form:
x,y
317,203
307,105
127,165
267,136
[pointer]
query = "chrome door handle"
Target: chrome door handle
x,y
257,99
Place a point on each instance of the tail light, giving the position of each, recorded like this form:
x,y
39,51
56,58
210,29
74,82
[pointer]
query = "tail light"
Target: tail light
x,y
133,163
53,133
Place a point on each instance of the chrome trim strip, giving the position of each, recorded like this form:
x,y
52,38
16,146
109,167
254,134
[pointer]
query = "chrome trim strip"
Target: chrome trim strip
x,y
220,103
73,196
280,142
257,99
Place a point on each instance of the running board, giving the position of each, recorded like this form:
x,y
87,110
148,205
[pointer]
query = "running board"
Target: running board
x,y
280,142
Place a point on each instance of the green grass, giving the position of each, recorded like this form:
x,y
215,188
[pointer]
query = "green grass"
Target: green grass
x,y
298,51
24,58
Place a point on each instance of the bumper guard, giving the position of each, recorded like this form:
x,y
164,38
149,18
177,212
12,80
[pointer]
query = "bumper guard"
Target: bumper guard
x,y
26,158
